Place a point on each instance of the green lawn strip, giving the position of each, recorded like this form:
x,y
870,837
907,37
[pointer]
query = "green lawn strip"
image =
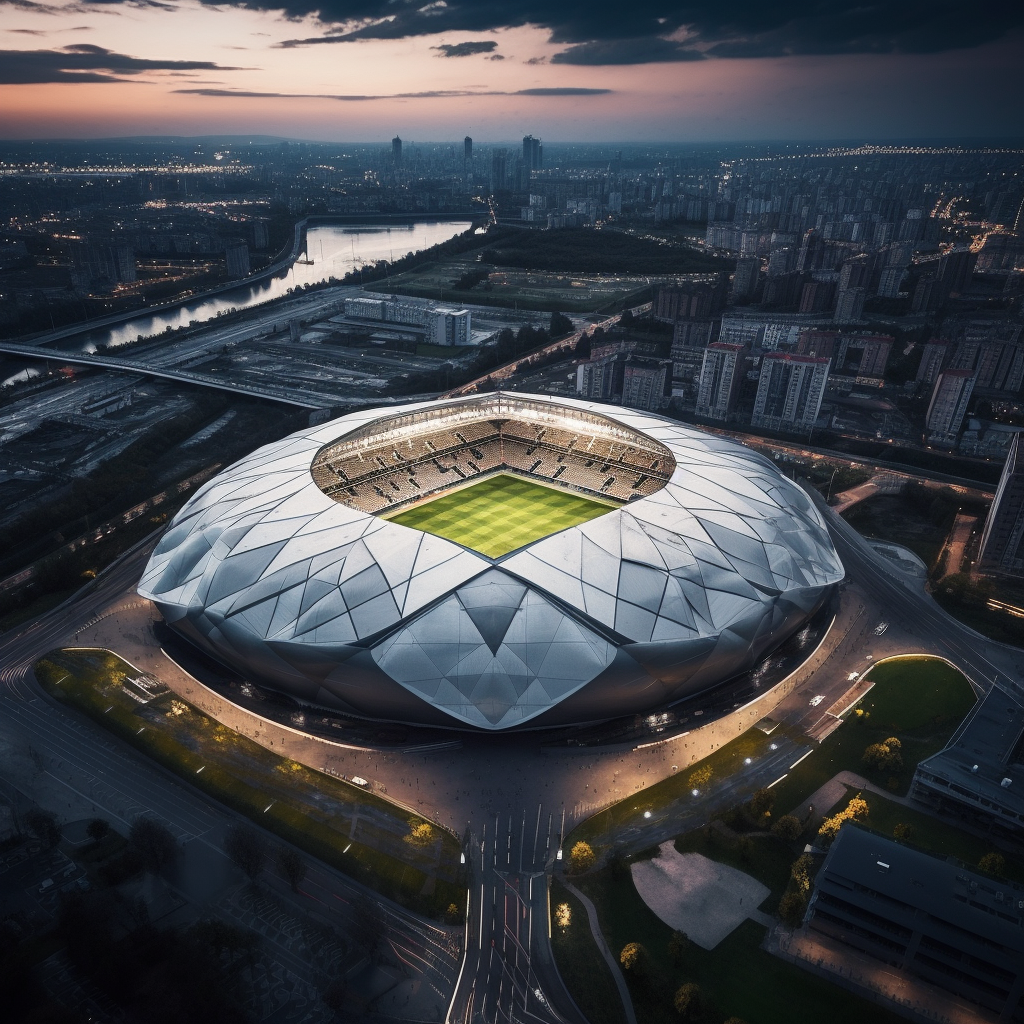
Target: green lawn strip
x,y
305,807
919,700
762,856
580,963
500,514
737,977
599,829
931,834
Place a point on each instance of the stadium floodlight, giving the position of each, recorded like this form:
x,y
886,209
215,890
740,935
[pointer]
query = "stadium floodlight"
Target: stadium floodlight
x,y
494,562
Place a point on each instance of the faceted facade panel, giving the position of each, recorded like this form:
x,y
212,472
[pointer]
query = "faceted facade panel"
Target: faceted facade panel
x,y
664,596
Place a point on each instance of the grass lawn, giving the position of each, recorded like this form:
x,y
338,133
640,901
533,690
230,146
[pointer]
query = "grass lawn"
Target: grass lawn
x,y
737,977
357,832
580,963
919,700
600,829
501,513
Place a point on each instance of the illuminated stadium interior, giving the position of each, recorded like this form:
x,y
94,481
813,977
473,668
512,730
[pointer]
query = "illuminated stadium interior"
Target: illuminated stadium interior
x,y
403,459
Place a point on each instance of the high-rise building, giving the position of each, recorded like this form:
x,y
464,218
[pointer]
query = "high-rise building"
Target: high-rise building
x,y
948,405
849,305
467,149
236,259
396,150
955,271
875,350
533,154
933,358
601,378
643,382
499,169
745,279
889,282
720,378
789,391
1002,542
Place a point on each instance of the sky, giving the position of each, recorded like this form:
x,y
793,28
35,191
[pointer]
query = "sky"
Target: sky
x,y
563,70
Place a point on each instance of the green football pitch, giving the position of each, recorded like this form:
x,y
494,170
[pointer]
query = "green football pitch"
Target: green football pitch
x,y
500,514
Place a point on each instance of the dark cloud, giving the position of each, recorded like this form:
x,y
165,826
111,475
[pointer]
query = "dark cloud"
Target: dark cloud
x,y
563,91
640,32
466,49
646,50
83,62
433,94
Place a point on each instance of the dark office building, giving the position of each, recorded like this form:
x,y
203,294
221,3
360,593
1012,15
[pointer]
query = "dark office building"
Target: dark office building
x,y
533,154
467,152
954,928
979,776
1002,543
396,150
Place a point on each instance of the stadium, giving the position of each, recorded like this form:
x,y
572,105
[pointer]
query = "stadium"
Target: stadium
x,y
494,562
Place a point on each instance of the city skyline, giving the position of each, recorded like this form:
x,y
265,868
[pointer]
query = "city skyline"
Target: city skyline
x,y
499,71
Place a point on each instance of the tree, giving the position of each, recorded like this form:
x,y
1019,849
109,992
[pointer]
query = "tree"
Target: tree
x,y
560,325
855,810
153,843
678,947
44,826
633,958
581,858
884,757
291,866
688,1001
98,829
453,915
800,872
761,803
787,828
902,832
792,907
246,847
993,863
421,834
700,777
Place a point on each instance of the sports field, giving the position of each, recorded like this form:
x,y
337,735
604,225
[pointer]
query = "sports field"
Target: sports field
x,y
500,514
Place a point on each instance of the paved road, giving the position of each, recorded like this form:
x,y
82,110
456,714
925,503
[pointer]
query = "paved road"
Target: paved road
x,y
509,973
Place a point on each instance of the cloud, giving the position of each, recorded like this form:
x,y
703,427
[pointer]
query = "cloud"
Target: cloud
x,y
465,49
646,50
562,91
432,94
644,31
84,62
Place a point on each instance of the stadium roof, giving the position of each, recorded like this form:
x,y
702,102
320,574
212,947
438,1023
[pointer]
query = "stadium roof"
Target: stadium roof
x,y
668,594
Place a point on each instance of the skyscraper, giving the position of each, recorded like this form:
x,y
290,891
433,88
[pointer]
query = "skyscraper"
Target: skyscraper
x,y
948,405
643,382
499,169
467,152
789,391
720,378
533,154
1002,543
396,150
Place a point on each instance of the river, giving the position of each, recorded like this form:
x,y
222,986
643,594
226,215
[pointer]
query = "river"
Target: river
x,y
334,249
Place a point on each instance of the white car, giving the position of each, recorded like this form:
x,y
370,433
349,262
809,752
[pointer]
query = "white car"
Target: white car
x,y
881,628
815,701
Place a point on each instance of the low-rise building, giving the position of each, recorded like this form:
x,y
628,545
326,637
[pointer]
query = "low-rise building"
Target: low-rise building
x,y
957,929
